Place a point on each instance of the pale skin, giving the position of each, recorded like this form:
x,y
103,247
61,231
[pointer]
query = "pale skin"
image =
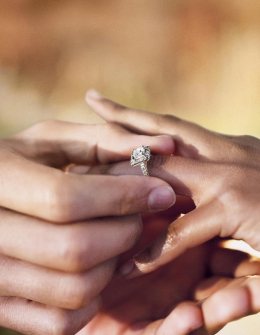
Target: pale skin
x,y
221,174
60,233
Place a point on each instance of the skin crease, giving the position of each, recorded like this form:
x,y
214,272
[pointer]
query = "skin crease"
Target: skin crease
x,y
58,247
211,169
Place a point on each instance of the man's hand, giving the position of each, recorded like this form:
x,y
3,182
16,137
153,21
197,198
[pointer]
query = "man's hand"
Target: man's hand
x,y
60,234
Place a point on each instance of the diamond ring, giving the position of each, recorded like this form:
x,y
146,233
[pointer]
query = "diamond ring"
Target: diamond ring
x,y
141,156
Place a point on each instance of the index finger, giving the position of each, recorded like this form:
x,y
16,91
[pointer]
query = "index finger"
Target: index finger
x,y
187,177
191,139
50,194
58,143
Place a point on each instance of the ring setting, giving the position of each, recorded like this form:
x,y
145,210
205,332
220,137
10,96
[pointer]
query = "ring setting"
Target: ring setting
x,y
141,156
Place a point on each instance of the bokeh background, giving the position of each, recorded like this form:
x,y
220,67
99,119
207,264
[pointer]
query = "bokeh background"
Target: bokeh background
x,y
197,59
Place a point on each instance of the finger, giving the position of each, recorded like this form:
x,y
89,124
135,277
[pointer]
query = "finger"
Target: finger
x,y
209,286
50,194
240,297
191,140
225,262
188,177
70,291
193,229
249,267
185,318
225,306
224,266
29,317
58,143
69,246
105,323
234,263
155,223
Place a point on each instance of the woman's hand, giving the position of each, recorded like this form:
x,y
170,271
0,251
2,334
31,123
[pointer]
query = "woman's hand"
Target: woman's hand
x,y
60,234
220,173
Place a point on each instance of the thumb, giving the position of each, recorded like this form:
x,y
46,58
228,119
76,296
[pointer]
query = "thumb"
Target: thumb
x,y
191,230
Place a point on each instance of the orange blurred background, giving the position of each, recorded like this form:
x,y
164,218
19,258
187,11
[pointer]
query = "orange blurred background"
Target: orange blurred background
x,y
198,59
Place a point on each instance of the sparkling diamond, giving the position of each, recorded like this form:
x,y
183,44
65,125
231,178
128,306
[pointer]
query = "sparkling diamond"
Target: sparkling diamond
x,y
140,155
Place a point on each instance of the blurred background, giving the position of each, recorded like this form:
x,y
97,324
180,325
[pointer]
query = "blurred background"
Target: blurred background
x,y
197,59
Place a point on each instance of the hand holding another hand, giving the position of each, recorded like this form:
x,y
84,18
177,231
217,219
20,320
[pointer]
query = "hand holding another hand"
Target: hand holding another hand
x,y
221,174
60,234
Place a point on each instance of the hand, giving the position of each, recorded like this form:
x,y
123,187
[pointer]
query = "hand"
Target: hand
x,y
212,171
165,302
60,233
220,173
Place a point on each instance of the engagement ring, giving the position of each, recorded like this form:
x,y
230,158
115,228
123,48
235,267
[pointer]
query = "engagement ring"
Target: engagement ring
x,y
141,156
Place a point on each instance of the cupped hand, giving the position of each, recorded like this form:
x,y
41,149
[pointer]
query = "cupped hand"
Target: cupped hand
x,y
220,173
60,233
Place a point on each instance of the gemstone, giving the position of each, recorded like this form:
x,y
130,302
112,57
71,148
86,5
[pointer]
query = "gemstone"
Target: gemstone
x,y
140,155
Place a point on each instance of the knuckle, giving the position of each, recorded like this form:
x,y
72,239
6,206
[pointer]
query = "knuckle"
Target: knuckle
x,y
241,149
165,119
61,323
45,125
59,199
245,139
75,292
72,251
38,130
171,118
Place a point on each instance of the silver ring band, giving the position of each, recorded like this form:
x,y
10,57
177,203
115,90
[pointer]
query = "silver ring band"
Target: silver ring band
x,y
144,168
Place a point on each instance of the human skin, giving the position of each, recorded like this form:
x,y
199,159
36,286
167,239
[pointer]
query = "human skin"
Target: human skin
x,y
179,298
60,233
220,173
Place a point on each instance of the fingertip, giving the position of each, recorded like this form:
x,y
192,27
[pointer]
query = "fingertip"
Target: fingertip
x,y
161,198
225,306
93,95
100,104
185,318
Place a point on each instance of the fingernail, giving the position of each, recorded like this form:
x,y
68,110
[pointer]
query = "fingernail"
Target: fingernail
x,y
126,268
161,198
93,94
